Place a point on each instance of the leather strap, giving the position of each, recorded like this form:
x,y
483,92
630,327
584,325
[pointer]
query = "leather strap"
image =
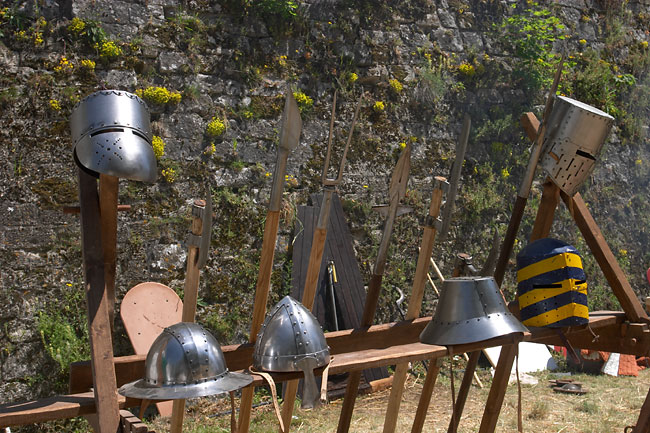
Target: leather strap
x,y
274,394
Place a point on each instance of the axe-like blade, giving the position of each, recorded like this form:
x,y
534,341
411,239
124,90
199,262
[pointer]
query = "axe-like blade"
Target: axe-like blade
x,y
291,123
206,232
400,177
461,147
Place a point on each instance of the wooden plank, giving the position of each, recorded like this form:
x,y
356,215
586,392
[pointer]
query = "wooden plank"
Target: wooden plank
x,y
498,389
463,391
425,397
99,328
108,191
643,423
605,258
546,211
131,423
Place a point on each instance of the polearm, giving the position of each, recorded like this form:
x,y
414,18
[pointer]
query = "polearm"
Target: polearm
x,y
318,245
198,245
423,263
511,234
524,190
289,139
396,192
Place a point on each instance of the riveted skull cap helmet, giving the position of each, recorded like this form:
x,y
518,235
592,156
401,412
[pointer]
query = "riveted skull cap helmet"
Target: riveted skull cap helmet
x,y
470,309
291,339
185,361
111,133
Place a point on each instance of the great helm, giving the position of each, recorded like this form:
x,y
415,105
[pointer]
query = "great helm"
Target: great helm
x,y
575,132
470,309
552,286
111,133
185,361
291,339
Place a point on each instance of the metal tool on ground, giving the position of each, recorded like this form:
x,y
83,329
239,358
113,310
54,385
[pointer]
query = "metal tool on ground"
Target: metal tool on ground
x,y
396,191
198,242
524,190
331,280
318,242
290,131
432,228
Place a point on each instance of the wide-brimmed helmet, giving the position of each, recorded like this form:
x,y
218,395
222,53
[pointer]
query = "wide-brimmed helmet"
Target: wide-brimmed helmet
x,y
185,361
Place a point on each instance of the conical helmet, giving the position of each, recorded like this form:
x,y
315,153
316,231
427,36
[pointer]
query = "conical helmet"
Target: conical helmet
x,y
185,361
111,133
291,339
470,309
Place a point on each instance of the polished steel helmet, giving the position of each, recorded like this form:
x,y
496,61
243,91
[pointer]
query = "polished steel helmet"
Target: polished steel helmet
x,y
185,361
111,133
575,132
291,339
470,309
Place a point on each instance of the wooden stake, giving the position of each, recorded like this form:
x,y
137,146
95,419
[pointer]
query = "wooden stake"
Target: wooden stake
x,y
415,301
498,388
425,396
190,296
99,329
108,191
463,391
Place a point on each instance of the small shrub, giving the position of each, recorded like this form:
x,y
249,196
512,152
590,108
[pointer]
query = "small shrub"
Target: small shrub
x,y
215,128
55,104
304,101
396,86
378,107
108,50
88,65
159,95
76,26
158,146
65,66
169,174
353,77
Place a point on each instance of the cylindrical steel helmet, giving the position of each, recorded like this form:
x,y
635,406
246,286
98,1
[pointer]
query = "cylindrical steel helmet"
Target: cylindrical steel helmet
x,y
291,339
470,309
111,133
552,285
185,361
575,132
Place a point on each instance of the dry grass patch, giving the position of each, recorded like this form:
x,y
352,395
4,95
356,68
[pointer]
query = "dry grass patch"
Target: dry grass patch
x,y
610,404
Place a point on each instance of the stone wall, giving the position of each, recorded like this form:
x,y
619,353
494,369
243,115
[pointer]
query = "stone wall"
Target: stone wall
x,y
426,61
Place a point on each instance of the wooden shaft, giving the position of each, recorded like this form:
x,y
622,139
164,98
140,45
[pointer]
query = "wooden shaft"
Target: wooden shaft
x,y
290,391
425,397
190,296
351,391
498,388
476,378
605,258
643,423
308,296
108,191
509,239
372,299
463,391
546,211
414,307
259,308
99,329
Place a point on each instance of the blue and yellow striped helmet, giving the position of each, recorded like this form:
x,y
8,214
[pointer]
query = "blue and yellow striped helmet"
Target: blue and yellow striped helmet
x,y
552,286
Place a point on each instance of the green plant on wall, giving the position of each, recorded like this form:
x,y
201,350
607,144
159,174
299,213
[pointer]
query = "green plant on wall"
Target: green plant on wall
x,y
63,327
530,36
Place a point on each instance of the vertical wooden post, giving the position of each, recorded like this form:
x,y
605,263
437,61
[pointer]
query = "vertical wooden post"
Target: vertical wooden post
x,y
99,328
190,296
108,192
463,391
498,388
415,303
425,396
643,423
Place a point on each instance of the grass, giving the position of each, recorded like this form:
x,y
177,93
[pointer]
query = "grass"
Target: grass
x,y
610,404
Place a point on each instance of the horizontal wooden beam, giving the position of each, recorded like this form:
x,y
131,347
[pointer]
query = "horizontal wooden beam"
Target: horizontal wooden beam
x,y
352,350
